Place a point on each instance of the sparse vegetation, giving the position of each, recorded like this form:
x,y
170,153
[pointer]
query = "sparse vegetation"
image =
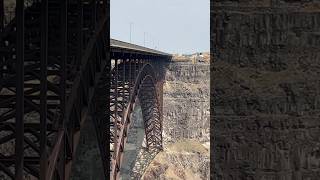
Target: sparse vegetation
x,y
183,160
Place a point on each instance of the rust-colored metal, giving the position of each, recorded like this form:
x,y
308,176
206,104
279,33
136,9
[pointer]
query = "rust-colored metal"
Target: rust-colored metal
x,y
133,74
145,88
49,68
54,155
1,15
55,72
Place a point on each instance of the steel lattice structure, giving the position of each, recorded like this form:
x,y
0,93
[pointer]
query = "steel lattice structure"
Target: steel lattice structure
x,y
52,54
136,73
56,70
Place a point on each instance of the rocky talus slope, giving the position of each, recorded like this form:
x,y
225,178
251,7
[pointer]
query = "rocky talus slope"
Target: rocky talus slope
x,y
185,124
183,160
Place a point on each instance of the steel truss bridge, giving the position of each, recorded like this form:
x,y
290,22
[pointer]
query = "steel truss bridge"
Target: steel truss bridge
x,y
59,68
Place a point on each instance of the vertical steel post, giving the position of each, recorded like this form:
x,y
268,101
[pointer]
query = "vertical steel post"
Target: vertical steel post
x,y
64,41
116,105
43,89
80,34
1,29
130,76
1,15
94,14
106,36
19,131
135,68
160,79
123,86
140,62
63,75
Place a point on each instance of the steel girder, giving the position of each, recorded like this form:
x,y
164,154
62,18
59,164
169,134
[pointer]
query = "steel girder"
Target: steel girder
x,y
130,78
51,55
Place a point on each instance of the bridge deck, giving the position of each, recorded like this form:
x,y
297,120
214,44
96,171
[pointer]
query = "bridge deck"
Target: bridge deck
x,y
120,46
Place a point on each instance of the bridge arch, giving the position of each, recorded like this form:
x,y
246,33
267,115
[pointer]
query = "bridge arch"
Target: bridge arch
x,y
144,89
61,80
127,78
150,104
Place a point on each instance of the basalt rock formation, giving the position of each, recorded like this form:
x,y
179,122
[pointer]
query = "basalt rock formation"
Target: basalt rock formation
x,y
186,102
185,124
265,96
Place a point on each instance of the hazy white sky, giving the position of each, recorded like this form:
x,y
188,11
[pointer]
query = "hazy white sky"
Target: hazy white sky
x,y
173,26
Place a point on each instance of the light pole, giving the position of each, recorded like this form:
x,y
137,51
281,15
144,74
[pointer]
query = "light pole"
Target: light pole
x,y
131,25
144,39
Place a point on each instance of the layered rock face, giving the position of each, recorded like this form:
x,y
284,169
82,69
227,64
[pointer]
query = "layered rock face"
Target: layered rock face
x,y
186,159
186,124
186,102
265,79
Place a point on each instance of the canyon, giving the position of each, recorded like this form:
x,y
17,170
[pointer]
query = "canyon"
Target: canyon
x,y
186,123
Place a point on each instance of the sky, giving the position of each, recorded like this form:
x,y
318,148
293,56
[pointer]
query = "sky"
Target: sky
x,y
172,26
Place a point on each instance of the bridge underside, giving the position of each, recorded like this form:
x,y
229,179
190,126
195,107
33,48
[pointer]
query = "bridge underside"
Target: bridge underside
x,y
134,77
55,72
52,54
137,156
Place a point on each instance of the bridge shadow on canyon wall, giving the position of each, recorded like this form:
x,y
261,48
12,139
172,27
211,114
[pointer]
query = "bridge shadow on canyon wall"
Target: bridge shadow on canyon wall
x,y
88,164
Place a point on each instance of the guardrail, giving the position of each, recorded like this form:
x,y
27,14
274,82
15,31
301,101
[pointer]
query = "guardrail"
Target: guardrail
x,y
120,46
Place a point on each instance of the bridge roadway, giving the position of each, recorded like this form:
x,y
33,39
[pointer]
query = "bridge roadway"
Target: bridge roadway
x,y
56,71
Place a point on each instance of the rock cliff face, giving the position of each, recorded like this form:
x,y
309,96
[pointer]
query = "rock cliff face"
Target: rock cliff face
x,y
186,102
265,79
185,124
185,133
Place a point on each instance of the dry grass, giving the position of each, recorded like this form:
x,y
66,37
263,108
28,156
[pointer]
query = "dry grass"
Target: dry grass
x,y
188,146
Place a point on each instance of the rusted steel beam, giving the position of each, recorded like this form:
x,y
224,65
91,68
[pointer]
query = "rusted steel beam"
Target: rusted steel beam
x,y
1,15
87,65
100,116
63,79
94,13
144,87
43,89
19,141
83,71
54,155
79,33
116,103
63,52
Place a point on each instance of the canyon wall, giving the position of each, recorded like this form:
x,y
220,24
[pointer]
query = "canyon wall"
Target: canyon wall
x,y
186,102
265,89
186,124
